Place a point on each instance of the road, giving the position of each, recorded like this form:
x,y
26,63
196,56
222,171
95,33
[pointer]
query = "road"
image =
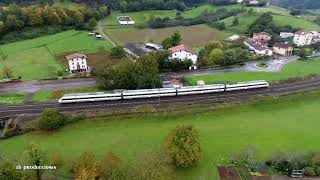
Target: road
x,y
34,86
105,35
213,98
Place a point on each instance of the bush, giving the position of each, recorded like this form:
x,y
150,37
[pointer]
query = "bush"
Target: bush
x,y
55,159
51,119
317,170
309,171
183,146
86,167
8,171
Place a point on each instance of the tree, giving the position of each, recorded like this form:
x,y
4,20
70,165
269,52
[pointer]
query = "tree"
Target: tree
x,y
7,72
183,146
229,58
36,157
86,167
117,52
123,6
166,43
147,72
175,39
51,119
8,170
216,56
235,21
110,166
92,23
2,27
155,165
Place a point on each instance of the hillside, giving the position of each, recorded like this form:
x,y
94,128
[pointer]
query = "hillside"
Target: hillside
x,y
304,4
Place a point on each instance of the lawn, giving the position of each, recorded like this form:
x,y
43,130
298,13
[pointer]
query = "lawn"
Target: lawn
x,y
12,98
36,58
204,34
292,70
283,124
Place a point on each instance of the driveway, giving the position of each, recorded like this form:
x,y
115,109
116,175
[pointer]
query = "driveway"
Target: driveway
x,y
34,86
274,65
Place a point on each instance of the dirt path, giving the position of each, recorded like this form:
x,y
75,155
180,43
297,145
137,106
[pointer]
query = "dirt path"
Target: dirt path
x,y
105,35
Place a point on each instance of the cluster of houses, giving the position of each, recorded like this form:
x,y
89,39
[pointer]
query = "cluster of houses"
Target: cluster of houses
x,y
258,43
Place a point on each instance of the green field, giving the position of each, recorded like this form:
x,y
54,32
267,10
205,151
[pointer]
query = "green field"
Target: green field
x,y
36,58
283,124
11,98
295,69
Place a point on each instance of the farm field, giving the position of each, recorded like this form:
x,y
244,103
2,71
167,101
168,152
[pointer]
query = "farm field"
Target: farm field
x,y
205,34
36,58
271,125
292,70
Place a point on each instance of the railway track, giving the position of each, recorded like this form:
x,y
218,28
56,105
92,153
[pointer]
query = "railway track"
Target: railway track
x,y
212,98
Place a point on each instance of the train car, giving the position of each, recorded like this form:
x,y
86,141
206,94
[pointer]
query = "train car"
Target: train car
x,y
148,93
247,85
201,89
89,97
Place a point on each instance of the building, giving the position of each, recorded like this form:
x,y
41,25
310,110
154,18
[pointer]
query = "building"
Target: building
x,y
258,47
286,34
283,49
183,52
253,2
138,50
125,20
302,38
315,36
262,36
77,63
233,38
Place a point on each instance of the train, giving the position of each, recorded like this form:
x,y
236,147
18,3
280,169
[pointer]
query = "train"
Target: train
x,y
161,92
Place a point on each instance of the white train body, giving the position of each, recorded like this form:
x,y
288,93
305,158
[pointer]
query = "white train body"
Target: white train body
x,y
161,92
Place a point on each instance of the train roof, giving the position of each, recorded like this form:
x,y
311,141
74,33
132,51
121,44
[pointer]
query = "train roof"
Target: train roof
x,y
86,94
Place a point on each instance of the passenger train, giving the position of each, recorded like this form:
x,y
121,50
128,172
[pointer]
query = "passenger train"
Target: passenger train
x,y
161,92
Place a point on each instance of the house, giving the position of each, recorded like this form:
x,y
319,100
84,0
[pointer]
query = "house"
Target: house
x,y
77,62
283,49
262,36
286,34
183,52
138,50
125,20
315,36
258,47
239,1
302,38
253,2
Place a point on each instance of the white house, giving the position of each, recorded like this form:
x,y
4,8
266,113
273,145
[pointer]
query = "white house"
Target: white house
x,y
77,62
258,47
302,38
183,52
253,2
286,34
125,20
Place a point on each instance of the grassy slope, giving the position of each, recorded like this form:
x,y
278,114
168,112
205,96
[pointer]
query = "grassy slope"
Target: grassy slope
x,y
292,70
32,58
11,98
271,125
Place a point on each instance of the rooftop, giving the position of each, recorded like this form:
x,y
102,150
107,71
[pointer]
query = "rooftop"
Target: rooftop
x,y
282,45
76,55
182,47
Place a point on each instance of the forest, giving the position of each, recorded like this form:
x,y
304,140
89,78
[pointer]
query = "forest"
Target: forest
x,y
297,4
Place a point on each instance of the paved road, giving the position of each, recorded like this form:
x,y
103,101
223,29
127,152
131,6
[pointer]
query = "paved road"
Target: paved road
x,y
212,98
34,86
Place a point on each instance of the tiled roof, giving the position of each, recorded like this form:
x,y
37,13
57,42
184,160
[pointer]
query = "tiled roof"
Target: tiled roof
x,y
75,55
182,47
282,45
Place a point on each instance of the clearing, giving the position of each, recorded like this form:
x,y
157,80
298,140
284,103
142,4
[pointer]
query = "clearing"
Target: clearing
x,y
36,58
292,70
271,125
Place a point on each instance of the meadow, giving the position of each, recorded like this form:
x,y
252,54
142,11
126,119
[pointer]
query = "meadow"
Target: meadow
x,y
36,58
268,126
297,69
12,98
191,35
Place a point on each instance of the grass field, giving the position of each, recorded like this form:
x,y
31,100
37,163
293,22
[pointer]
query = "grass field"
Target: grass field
x,y
284,124
34,58
12,98
292,70
204,34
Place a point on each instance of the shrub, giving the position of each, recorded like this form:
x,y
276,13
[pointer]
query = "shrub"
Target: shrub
x,y
51,119
55,159
86,167
309,171
8,171
183,146
317,170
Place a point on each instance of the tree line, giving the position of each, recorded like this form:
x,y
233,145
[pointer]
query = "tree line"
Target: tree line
x,y
16,18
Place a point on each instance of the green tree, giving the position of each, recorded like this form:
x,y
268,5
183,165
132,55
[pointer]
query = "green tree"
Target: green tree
x,y
235,21
175,39
8,171
166,43
37,157
147,72
92,23
123,6
183,146
229,58
117,52
51,119
216,56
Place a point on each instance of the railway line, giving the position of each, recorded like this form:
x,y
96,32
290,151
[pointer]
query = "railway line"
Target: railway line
x,y
212,98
